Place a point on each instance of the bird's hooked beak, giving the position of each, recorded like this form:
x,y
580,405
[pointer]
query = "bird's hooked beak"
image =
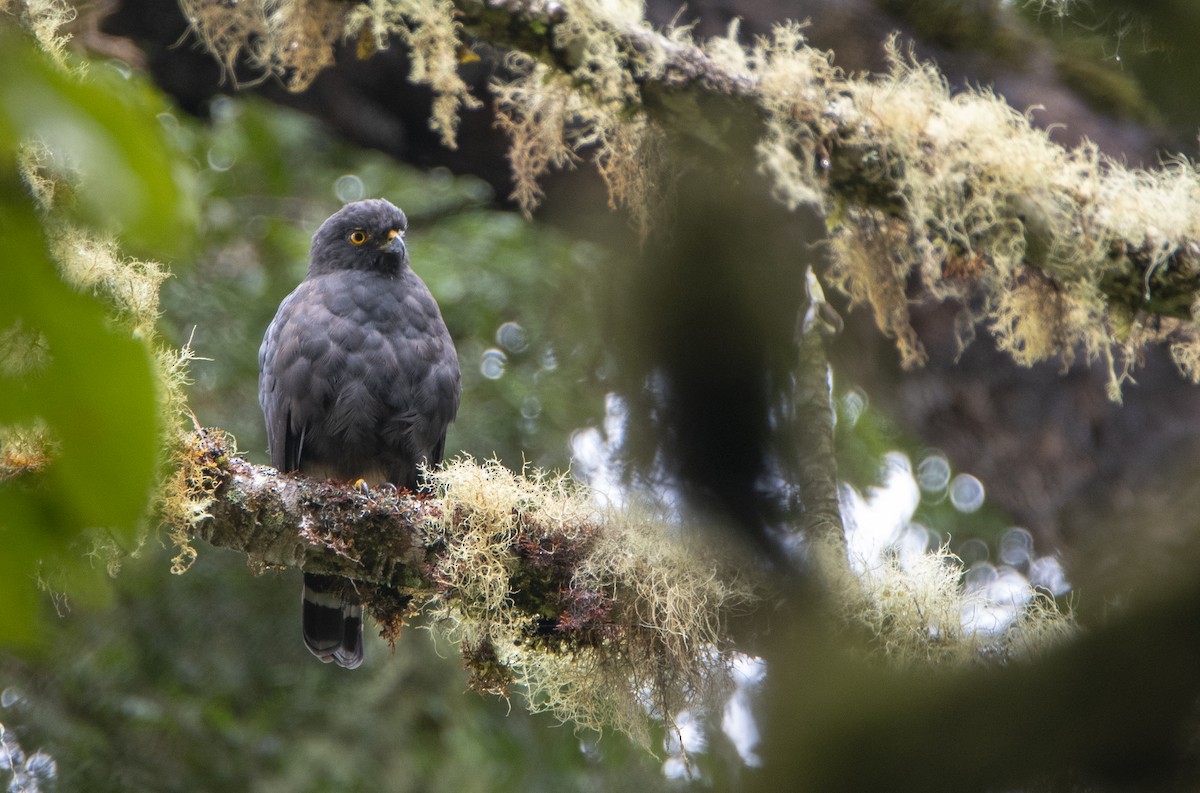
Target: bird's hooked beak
x,y
395,242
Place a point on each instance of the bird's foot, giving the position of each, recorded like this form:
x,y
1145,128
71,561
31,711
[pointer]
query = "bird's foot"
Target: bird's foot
x,y
384,488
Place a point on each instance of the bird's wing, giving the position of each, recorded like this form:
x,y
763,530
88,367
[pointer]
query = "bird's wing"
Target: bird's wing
x,y
449,382
285,390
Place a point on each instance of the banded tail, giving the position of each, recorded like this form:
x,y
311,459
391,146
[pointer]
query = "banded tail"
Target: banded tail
x,y
332,620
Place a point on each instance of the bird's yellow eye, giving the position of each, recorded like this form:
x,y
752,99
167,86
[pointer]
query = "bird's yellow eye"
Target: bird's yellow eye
x,y
358,236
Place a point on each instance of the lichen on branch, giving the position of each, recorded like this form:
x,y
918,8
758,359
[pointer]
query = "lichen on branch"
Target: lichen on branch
x,y
593,616
1059,253
600,617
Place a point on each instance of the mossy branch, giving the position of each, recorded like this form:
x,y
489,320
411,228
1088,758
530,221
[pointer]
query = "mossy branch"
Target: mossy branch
x,y
587,612
1056,252
703,91
285,520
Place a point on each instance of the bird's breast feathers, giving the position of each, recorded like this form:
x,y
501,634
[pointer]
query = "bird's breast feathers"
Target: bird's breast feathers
x,y
349,311
352,349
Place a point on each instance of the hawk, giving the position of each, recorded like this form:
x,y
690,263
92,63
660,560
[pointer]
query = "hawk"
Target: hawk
x,y
358,380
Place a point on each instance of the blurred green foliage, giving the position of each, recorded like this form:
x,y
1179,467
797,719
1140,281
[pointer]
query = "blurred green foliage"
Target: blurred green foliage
x,y
200,683
68,370
102,128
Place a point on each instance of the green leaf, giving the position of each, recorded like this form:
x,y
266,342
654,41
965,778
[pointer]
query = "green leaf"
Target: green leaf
x,y
96,393
106,130
95,390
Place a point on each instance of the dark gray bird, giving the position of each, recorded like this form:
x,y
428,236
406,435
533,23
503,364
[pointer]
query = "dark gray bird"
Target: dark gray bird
x,y
358,379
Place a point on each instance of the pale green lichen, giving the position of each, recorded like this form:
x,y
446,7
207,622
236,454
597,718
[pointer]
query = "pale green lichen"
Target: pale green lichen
x,y
794,83
990,205
1040,627
661,619
536,108
554,118
290,39
551,124
294,40
1185,350
431,33
47,20
913,608
664,605
24,448
93,263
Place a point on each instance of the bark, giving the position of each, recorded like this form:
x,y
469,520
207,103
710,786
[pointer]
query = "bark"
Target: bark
x,y
288,520
816,457
522,576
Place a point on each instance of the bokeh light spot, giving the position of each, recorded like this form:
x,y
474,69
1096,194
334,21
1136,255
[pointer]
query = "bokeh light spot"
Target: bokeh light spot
x,y
492,364
933,473
512,337
349,188
966,493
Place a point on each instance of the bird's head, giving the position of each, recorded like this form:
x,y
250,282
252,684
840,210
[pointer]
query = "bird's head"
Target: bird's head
x,y
364,235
